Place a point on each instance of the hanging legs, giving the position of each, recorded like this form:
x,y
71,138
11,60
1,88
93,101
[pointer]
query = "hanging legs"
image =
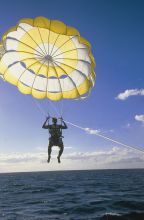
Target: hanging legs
x,y
61,148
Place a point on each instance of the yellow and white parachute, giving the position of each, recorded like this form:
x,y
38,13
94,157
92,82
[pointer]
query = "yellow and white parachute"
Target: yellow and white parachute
x,y
2,51
47,59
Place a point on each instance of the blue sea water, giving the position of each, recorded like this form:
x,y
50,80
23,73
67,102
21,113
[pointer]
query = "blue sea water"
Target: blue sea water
x,y
73,195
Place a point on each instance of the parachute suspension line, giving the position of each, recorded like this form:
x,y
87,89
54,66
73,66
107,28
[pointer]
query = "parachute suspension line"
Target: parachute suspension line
x,y
108,138
40,108
62,107
54,107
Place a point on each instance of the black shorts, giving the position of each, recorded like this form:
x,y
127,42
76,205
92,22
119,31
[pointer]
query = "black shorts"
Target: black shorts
x,y
55,142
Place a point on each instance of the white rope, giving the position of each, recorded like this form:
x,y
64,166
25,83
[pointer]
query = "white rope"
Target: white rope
x,y
108,138
62,107
54,107
40,108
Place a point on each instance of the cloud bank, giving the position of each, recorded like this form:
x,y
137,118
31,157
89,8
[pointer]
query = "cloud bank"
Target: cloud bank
x,y
130,92
115,157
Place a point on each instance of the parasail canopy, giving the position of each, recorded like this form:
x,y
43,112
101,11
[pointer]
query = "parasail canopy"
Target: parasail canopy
x,y
1,54
47,59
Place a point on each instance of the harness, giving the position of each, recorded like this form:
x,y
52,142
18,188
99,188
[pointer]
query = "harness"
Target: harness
x,y
55,132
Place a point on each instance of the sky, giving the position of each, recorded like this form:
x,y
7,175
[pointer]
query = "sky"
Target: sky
x,y
115,107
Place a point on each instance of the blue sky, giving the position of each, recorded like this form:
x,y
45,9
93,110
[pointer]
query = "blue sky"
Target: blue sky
x,y
115,31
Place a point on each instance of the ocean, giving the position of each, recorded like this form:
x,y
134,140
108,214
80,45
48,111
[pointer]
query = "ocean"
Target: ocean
x,y
73,195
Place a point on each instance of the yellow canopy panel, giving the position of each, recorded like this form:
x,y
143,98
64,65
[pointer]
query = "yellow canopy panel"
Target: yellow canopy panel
x,y
47,59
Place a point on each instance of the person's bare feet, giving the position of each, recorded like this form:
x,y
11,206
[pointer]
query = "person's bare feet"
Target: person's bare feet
x,y
49,159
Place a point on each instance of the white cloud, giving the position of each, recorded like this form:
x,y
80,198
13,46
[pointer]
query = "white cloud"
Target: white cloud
x,y
91,131
139,118
128,125
116,157
130,92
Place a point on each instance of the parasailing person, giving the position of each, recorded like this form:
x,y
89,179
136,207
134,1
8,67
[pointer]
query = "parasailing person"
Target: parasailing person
x,y
55,139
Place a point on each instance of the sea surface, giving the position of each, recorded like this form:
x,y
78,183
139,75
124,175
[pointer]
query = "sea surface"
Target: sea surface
x,y
73,195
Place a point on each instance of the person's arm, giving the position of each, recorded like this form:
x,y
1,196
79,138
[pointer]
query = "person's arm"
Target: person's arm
x,y
46,124
63,126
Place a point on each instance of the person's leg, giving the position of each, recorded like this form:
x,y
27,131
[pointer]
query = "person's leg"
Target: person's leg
x,y
49,150
60,151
